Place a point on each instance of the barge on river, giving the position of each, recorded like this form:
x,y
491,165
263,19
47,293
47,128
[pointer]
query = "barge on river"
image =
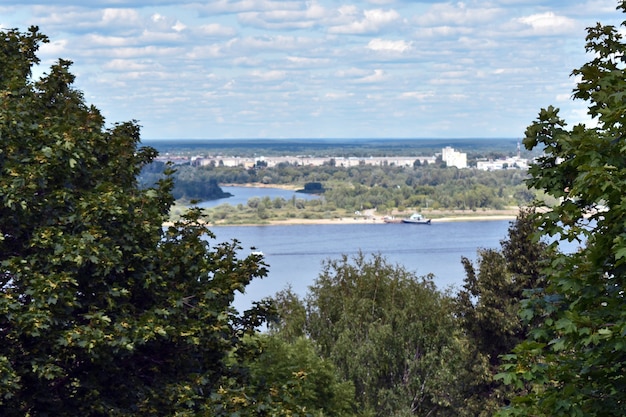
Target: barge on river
x,y
413,219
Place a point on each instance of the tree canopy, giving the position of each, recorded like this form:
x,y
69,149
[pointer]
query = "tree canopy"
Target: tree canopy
x,y
103,311
488,305
390,333
574,363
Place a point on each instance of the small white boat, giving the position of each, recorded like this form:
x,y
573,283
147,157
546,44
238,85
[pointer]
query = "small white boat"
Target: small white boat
x,y
416,218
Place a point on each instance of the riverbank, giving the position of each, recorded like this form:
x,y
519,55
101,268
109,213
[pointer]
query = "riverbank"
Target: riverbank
x,y
371,217
435,216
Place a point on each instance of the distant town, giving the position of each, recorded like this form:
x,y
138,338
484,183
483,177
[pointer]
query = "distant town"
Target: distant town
x,y
449,155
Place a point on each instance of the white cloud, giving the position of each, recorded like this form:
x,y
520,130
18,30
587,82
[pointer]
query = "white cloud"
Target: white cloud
x,y
371,21
245,61
55,49
387,45
547,23
123,65
563,97
337,95
157,18
304,62
205,52
107,41
179,27
459,14
351,73
216,29
418,95
274,43
242,6
269,75
378,76
308,17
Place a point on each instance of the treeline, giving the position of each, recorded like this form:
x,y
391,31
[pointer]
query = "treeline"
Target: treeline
x,y
366,186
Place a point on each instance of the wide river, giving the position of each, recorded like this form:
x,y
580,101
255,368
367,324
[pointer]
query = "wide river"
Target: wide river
x,y
295,253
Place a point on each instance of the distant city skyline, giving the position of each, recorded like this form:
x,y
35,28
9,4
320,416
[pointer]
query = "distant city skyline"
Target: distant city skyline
x,y
320,68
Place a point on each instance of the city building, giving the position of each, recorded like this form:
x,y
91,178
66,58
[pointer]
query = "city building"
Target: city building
x,y
453,158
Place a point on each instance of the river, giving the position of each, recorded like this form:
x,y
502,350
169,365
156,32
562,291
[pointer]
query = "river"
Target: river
x,y
295,253
241,195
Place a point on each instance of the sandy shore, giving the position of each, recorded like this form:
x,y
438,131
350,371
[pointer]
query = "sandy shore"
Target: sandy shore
x,y
289,187
372,218
379,220
363,220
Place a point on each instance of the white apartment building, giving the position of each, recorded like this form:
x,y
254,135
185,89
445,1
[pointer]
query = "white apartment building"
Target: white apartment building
x,y
514,162
453,158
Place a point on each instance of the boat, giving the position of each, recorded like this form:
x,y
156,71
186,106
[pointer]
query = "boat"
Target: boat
x,y
416,218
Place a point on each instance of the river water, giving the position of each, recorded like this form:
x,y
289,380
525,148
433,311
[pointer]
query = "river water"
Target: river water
x,y
295,253
241,195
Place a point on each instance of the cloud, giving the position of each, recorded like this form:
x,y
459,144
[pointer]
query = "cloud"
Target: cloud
x,y
338,95
242,6
216,30
370,21
378,76
458,14
123,65
304,62
268,75
547,23
418,95
389,46
308,17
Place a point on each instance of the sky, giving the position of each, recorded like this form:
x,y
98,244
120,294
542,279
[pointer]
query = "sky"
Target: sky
x,y
320,68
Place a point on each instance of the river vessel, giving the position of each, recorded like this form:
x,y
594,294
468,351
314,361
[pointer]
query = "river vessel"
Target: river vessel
x,y
416,218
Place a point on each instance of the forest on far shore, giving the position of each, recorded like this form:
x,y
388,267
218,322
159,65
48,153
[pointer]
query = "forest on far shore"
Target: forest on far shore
x,y
388,189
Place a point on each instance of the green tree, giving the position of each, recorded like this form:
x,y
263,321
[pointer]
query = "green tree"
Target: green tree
x,y
390,333
488,308
103,312
574,363
289,378
290,319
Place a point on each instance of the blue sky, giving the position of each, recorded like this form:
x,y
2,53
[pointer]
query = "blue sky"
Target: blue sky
x,y
320,68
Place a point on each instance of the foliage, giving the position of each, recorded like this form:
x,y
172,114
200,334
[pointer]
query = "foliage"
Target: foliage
x,y
390,333
289,378
366,186
102,310
290,320
574,363
488,307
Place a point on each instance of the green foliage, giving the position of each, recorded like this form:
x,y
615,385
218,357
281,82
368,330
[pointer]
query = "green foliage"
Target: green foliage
x,y
102,310
313,187
289,378
574,363
488,307
367,186
389,333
